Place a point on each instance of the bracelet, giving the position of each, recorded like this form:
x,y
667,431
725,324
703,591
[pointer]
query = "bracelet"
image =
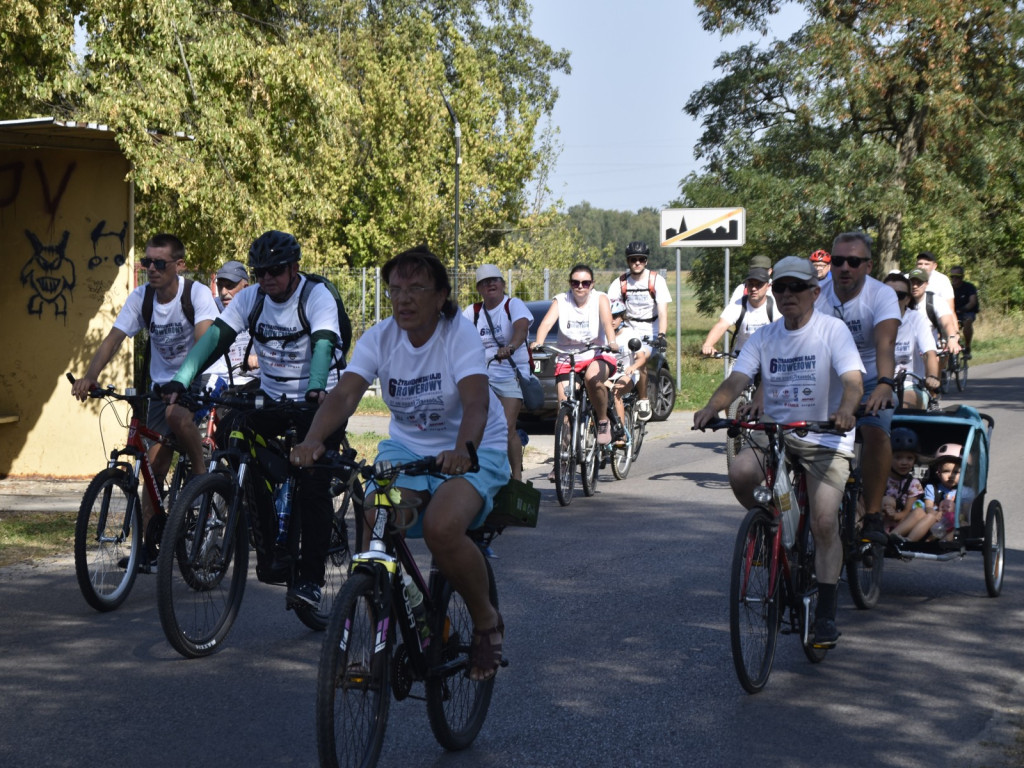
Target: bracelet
x,y
887,380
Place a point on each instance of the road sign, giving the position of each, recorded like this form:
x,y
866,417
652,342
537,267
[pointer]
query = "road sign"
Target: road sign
x,y
703,227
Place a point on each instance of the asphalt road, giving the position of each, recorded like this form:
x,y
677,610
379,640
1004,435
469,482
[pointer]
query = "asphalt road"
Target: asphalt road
x,y
617,633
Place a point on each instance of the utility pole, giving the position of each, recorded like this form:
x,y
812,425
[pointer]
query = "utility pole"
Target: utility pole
x,y
458,163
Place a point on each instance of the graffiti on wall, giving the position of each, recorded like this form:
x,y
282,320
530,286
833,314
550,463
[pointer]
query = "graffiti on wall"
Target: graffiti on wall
x,y
50,274
107,245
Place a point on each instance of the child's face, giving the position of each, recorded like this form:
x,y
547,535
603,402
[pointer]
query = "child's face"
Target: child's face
x,y
903,462
948,473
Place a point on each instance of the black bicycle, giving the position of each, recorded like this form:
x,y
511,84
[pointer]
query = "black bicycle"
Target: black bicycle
x,y
391,629
219,516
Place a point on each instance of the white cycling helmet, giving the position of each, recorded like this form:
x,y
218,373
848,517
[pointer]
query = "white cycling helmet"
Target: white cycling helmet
x,y
618,308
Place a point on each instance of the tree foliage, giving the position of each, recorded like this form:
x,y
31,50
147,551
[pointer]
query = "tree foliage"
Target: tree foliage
x,y
899,118
322,117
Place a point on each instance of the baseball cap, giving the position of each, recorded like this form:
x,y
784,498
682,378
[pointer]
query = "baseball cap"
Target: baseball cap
x,y
822,255
233,271
760,261
956,271
485,271
758,273
795,266
917,274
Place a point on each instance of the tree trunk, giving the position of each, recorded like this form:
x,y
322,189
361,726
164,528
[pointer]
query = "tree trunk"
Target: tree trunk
x,y
890,229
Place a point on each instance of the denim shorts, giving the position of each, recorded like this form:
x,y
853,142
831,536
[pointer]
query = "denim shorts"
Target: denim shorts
x,y
882,420
494,473
507,388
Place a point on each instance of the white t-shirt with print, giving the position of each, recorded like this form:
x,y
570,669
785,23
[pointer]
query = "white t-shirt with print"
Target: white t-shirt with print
x,y
941,308
500,370
579,326
875,303
418,384
641,307
754,318
170,332
800,372
284,365
913,339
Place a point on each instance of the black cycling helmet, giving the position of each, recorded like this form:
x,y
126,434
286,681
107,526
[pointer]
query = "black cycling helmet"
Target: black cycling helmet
x,y
904,440
273,248
637,248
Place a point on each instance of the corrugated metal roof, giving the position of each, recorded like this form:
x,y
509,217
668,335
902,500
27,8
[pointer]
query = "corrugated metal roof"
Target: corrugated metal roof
x,y
54,133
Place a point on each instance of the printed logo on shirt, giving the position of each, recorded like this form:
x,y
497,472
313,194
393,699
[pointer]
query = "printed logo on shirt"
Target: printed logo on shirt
x,y
792,364
406,388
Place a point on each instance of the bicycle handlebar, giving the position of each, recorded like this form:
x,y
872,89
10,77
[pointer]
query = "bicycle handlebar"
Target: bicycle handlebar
x,y
129,395
823,427
389,470
573,353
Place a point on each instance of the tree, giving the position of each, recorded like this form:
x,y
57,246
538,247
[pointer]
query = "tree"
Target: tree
x,y
893,118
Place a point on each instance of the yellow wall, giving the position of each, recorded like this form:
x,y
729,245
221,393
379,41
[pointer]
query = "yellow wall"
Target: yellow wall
x,y
65,245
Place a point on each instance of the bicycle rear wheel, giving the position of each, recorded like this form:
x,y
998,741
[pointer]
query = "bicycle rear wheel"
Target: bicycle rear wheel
x,y
961,372
456,705
200,578
588,457
622,456
348,509
565,461
353,688
108,533
864,561
754,610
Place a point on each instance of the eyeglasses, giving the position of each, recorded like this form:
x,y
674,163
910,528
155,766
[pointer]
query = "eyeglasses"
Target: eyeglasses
x,y
901,295
412,291
160,264
783,288
581,283
275,271
637,259
853,261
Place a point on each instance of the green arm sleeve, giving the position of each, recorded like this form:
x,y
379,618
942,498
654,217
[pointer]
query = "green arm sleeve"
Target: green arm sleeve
x,y
323,355
212,344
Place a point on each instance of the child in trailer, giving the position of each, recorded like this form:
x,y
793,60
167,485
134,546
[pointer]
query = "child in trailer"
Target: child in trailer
x,y
903,505
939,522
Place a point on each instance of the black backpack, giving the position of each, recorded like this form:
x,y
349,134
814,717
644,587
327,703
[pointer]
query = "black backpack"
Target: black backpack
x,y
344,324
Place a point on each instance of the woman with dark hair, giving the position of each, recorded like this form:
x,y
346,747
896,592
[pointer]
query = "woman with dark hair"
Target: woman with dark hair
x,y
433,374
915,346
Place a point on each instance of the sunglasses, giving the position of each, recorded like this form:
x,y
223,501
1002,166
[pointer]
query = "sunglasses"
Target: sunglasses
x,y
901,295
782,288
581,283
160,264
637,260
275,271
853,261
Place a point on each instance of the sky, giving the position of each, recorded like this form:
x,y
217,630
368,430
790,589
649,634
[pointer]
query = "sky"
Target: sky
x,y
626,142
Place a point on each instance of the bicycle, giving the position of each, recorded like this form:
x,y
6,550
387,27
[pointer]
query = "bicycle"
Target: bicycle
x,y
204,553
918,384
362,657
736,409
109,540
575,434
623,451
773,586
955,369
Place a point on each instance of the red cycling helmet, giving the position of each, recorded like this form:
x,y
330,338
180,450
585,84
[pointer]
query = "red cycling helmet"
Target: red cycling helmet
x,y
822,255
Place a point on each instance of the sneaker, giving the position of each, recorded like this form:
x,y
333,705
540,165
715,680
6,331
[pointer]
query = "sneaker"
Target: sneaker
x,y
618,433
643,410
825,633
604,433
873,530
304,591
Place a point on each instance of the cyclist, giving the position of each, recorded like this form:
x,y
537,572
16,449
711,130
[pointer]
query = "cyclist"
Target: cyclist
x,y
175,323
758,261
915,347
939,317
821,260
871,312
646,297
231,279
965,300
814,355
294,365
434,376
629,364
754,310
583,317
938,283
503,323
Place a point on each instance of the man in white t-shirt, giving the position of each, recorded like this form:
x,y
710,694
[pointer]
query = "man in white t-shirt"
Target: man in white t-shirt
x,y
871,312
232,278
174,322
753,310
933,310
646,297
294,362
810,371
938,283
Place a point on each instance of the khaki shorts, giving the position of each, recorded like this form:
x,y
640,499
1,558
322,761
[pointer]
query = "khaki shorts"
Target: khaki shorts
x,y
827,465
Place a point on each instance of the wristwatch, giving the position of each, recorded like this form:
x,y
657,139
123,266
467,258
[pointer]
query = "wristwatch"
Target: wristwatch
x,y
887,380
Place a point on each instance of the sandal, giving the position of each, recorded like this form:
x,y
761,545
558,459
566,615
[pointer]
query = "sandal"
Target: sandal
x,y
484,653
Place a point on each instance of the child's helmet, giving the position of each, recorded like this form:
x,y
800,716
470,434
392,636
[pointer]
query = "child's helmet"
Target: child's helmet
x,y
618,308
904,440
948,452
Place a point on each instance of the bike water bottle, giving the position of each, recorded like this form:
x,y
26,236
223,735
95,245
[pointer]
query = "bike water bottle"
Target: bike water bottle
x,y
283,507
784,498
415,600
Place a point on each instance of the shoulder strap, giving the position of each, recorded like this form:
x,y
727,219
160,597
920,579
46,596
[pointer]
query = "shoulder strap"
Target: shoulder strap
x,y
771,309
622,284
651,277
743,312
147,306
929,307
186,304
476,311
507,310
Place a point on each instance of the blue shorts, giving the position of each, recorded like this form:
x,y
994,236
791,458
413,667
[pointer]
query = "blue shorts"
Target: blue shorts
x,y
883,420
507,388
494,473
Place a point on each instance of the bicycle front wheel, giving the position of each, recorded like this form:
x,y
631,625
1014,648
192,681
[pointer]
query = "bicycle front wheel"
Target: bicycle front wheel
x,y
754,610
108,539
639,430
456,705
565,461
588,454
353,688
622,456
202,566
348,509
